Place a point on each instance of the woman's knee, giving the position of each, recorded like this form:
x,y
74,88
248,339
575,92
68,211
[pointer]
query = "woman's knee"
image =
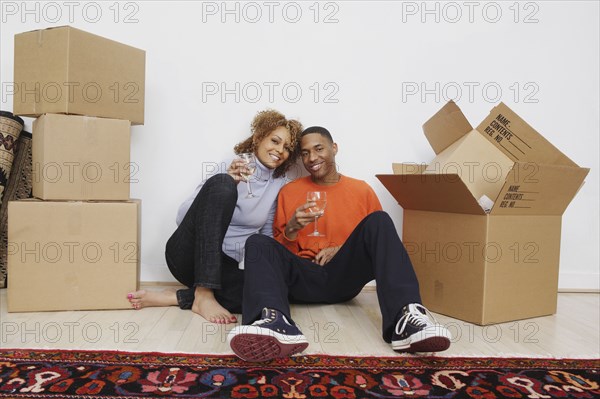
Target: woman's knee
x,y
221,185
220,180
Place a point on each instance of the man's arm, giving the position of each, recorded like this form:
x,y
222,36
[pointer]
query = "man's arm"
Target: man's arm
x,y
301,217
288,223
279,225
372,200
372,205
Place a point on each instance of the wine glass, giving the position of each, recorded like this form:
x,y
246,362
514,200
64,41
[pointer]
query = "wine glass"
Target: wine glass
x,y
319,198
250,162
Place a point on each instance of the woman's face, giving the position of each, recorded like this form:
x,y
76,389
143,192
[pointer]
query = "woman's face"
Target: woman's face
x,y
274,149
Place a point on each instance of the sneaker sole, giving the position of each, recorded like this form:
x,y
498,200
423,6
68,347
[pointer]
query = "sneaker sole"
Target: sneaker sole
x,y
262,348
431,339
432,344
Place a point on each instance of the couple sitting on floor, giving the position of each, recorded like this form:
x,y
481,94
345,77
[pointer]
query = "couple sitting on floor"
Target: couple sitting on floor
x,y
219,228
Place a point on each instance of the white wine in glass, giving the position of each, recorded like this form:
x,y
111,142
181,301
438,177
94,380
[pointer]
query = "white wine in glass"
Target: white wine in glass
x,y
250,162
319,198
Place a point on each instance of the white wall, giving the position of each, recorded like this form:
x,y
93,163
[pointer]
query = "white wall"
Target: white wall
x,y
542,56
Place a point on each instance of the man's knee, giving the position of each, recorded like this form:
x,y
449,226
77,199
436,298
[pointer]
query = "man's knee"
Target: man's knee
x,y
258,246
379,218
256,240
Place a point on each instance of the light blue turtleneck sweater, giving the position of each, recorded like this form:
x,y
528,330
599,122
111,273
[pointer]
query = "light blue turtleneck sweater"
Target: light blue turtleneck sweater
x,y
251,215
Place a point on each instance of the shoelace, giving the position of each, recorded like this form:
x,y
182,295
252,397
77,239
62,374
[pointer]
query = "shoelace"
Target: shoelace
x,y
416,318
267,319
264,320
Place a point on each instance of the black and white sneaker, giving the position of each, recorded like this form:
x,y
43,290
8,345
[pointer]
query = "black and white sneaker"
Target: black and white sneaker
x,y
416,332
270,337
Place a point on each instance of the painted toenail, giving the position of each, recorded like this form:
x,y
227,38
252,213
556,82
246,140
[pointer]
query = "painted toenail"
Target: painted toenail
x,y
129,296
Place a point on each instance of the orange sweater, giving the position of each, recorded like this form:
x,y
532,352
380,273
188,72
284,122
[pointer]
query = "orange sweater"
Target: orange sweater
x,y
348,202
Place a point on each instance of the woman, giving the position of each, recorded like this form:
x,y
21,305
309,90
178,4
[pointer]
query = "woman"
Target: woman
x,y
213,224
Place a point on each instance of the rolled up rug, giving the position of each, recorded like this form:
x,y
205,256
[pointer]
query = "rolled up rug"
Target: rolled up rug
x,y
15,175
10,130
18,187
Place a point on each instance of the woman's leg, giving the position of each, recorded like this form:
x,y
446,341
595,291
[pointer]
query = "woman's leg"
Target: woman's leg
x,y
194,255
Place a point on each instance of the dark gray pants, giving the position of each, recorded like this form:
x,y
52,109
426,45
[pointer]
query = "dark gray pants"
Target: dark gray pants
x,y
194,252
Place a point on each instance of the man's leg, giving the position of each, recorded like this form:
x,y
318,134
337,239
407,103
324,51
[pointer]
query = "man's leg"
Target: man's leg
x,y
374,251
271,274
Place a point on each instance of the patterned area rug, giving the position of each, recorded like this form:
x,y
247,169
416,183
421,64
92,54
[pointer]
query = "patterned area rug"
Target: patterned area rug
x,y
26,373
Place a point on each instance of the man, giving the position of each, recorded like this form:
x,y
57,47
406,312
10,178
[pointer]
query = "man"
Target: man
x,y
360,244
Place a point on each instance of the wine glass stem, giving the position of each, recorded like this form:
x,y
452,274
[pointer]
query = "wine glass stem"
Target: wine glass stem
x,y
249,189
316,232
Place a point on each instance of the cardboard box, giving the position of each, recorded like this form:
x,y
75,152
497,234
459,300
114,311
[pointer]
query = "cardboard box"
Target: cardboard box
x,y
66,70
72,255
496,267
81,158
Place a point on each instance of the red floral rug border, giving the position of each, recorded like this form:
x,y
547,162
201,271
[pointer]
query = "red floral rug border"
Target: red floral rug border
x,y
298,362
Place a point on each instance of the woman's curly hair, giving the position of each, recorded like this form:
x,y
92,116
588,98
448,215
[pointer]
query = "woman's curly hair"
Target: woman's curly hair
x,y
262,125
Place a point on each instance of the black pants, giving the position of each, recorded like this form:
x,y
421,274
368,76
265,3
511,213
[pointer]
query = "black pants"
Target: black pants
x,y
194,252
274,276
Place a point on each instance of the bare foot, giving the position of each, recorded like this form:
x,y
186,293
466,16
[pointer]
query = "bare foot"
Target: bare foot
x,y
207,306
144,299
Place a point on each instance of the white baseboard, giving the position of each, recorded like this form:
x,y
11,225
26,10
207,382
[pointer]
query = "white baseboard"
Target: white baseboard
x,y
578,282
156,274
567,281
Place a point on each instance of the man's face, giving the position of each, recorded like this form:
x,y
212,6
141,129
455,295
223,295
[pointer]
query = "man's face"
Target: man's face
x,y
318,156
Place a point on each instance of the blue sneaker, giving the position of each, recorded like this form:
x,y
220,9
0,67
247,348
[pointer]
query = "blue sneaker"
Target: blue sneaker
x,y
416,332
270,337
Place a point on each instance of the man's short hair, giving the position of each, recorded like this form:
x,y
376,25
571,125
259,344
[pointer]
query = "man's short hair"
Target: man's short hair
x,y
317,129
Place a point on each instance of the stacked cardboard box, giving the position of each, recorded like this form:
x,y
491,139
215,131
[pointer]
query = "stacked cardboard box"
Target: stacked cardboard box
x,y
76,246
486,261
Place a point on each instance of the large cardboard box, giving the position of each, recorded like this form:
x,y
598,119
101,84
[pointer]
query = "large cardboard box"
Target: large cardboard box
x,y
487,267
81,158
66,70
72,255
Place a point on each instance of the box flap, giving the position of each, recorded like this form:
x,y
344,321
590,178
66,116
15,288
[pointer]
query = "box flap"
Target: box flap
x,y
478,162
408,168
518,140
534,189
446,126
435,192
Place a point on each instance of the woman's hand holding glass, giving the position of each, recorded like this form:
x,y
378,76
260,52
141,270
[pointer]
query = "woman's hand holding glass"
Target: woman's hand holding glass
x,y
243,168
236,168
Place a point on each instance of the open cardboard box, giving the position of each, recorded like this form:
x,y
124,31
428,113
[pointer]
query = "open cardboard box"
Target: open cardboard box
x,y
67,70
483,267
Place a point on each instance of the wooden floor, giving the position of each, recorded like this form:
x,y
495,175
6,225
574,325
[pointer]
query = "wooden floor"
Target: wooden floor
x,y
351,328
